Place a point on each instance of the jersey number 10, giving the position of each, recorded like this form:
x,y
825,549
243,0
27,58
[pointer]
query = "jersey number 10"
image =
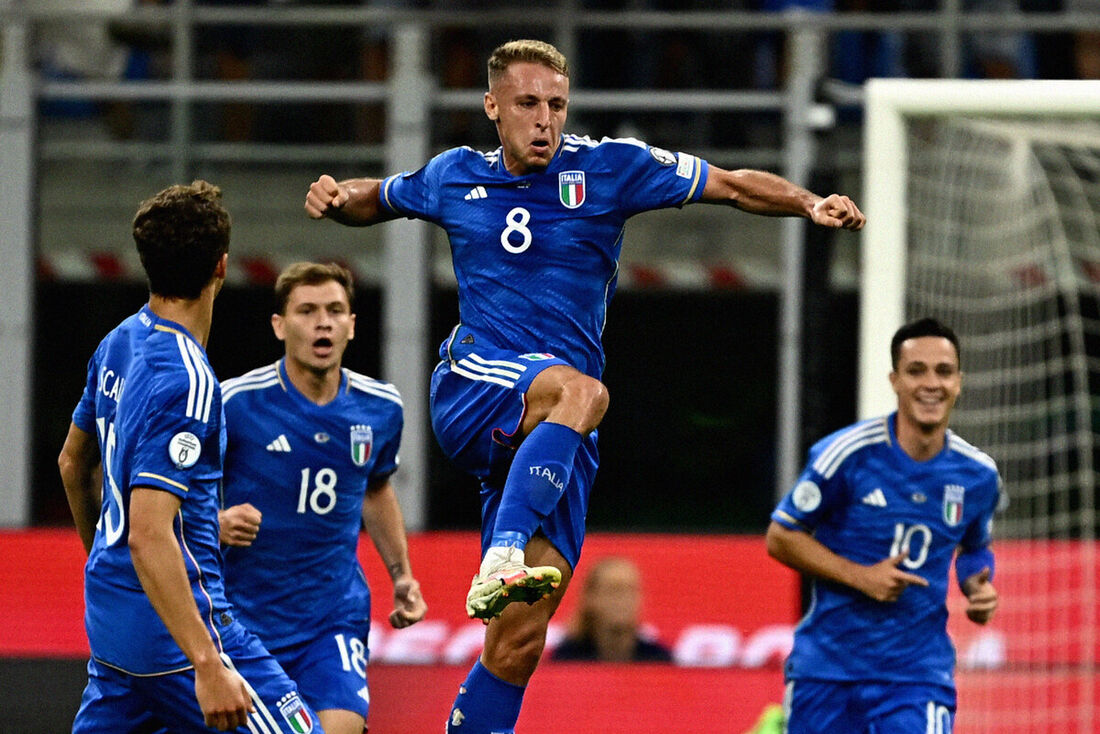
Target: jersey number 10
x,y
903,539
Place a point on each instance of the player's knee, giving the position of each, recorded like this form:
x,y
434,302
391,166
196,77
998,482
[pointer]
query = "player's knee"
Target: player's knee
x,y
589,397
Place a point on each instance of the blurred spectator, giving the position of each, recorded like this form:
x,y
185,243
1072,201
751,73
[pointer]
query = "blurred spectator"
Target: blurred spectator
x,y
83,49
999,55
1086,43
606,626
987,54
282,53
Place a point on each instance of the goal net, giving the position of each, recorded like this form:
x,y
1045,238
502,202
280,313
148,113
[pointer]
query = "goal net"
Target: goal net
x,y
983,204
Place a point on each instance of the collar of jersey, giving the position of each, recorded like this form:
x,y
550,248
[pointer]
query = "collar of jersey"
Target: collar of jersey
x,y
290,389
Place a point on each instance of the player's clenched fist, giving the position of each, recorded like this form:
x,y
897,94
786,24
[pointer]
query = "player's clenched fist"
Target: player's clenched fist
x,y
324,195
837,210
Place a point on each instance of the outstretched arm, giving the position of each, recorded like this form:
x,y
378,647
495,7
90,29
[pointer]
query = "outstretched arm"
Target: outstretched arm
x,y
386,526
760,192
353,202
78,462
883,581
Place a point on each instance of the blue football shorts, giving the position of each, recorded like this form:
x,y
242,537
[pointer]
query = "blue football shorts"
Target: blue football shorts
x,y
115,702
826,707
331,669
477,406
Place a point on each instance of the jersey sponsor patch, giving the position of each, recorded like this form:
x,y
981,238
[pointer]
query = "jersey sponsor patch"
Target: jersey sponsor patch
x,y
571,188
685,165
362,438
184,449
806,496
662,156
953,503
296,715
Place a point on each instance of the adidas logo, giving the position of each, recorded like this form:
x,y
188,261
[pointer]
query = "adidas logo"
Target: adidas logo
x,y
279,445
477,192
875,498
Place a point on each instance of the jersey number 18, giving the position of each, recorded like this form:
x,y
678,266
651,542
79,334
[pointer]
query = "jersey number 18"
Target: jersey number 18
x,y
322,497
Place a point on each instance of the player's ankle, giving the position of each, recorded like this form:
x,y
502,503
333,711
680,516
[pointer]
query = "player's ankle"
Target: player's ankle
x,y
498,555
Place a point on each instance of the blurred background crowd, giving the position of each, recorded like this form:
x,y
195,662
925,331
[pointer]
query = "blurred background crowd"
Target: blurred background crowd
x,y
606,57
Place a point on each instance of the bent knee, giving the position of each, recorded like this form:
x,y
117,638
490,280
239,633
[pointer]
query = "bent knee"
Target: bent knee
x,y
564,395
588,396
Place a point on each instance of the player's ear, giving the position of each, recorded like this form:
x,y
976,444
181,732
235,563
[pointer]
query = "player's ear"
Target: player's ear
x,y
491,110
351,328
222,268
278,327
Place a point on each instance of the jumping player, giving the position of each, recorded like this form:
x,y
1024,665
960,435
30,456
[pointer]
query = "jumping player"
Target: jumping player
x,y
535,229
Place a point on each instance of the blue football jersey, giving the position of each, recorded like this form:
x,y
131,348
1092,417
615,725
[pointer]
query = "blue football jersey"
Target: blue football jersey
x,y
306,468
865,499
155,405
536,256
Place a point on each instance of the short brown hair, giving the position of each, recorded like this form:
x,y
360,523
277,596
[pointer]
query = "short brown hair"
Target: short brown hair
x,y
181,234
525,50
309,273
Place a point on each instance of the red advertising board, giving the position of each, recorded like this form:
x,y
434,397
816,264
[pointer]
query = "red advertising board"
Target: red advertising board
x,y
732,624
738,614
728,626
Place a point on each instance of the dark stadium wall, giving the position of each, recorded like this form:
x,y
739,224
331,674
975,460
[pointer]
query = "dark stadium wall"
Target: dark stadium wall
x,y
688,443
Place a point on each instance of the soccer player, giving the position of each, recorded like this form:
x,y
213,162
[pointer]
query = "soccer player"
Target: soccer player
x,y
876,517
311,447
167,652
535,229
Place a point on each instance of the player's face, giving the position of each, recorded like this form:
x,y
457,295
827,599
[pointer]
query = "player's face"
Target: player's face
x,y
927,382
317,326
528,104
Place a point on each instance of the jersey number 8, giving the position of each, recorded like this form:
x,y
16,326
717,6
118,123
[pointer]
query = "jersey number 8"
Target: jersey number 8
x,y
517,220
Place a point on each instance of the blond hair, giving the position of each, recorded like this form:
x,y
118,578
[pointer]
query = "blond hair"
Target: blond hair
x,y
525,50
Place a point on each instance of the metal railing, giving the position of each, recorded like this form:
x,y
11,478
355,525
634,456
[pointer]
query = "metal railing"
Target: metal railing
x,y
410,97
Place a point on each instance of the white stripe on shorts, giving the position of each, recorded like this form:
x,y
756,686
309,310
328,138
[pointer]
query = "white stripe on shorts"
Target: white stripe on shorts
x,y
261,720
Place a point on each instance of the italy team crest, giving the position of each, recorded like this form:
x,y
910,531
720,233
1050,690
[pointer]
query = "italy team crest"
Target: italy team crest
x,y
953,503
362,438
296,715
571,188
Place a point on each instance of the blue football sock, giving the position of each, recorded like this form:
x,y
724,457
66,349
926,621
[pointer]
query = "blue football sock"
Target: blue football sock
x,y
485,704
536,480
